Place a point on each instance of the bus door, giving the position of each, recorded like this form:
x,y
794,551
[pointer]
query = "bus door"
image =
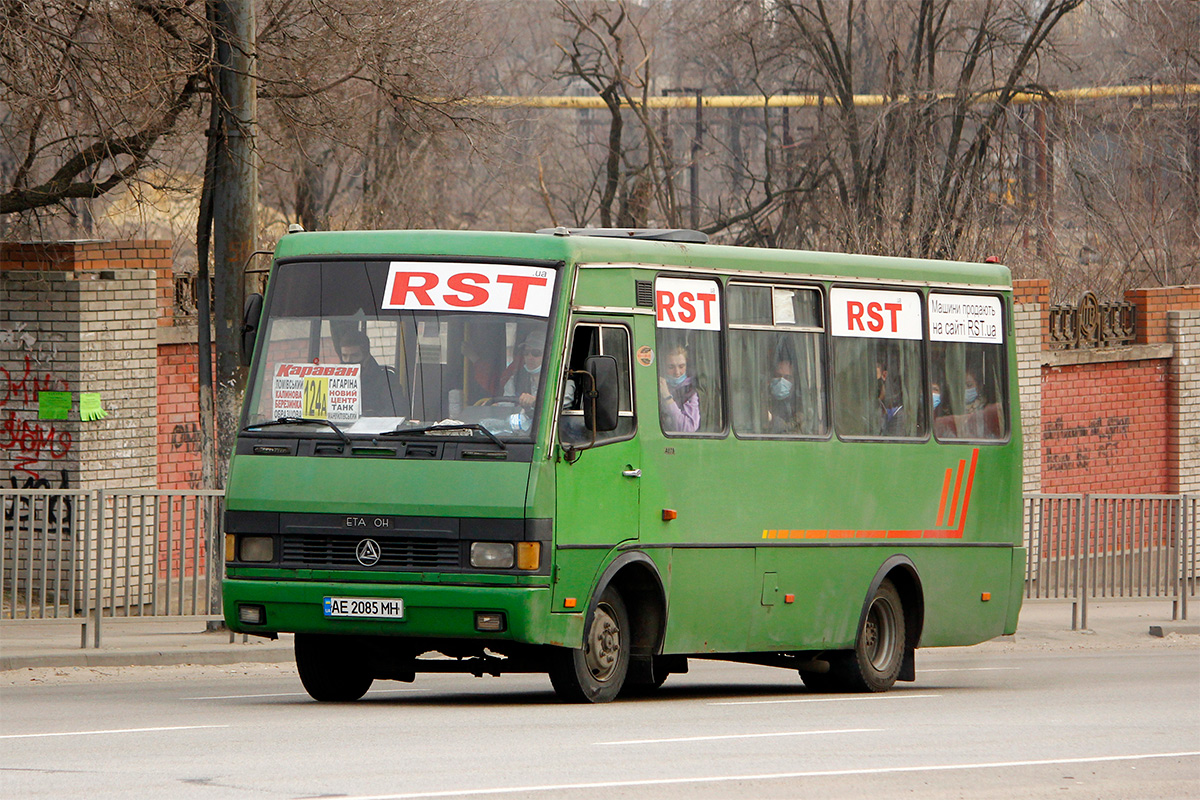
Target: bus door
x,y
598,485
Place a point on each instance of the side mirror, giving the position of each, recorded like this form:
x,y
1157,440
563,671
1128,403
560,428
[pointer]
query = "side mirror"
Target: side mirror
x,y
250,320
601,411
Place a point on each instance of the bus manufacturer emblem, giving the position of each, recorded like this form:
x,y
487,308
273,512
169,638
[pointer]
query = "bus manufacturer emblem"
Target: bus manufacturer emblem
x,y
367,552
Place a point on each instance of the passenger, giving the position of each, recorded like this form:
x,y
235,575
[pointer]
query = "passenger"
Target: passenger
x,y
380,393
679,402
973,396
523,384
972,424
891,404
784,414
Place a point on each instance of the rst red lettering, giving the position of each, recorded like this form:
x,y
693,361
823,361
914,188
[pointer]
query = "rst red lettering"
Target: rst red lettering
x,y
895,309
874,317
403,286
476,294
854,312
520,288
687,311
665,301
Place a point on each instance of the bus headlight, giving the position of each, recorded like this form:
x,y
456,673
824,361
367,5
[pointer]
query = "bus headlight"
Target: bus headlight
x,y
492,555
257,548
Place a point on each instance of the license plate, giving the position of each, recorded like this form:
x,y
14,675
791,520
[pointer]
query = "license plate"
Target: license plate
x,y
369,607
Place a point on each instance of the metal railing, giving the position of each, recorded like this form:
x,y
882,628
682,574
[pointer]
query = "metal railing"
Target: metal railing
x,y
90,555
1085,547
87,555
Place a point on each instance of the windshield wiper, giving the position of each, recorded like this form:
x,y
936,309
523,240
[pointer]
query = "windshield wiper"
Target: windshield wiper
x,y
449,426
301,421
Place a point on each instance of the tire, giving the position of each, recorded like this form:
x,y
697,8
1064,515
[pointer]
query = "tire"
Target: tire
x,y
330,671
596,672
878,653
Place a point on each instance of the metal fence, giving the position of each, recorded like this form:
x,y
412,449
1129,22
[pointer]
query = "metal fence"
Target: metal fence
x,y
90,555
87,555
1085,547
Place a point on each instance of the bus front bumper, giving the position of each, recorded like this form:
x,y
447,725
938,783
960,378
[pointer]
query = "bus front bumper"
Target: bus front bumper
x,y
435,612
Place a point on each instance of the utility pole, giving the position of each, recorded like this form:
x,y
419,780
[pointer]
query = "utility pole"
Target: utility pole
x,y
235,206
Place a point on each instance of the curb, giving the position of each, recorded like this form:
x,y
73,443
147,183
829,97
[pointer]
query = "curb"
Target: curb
x,y
153,658
1177,628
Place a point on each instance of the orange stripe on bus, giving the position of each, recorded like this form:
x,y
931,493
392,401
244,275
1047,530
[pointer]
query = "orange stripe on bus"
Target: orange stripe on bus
x,y
945,492
872,534
842,534
943,534
962,463
815,534
905,534
962,519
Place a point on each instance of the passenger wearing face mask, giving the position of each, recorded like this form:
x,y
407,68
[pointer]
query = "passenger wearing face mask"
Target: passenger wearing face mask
x,y
784,414
973,399
678,400
523,384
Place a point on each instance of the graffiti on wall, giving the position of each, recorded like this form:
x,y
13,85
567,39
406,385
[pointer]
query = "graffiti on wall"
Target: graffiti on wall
x,y
1070,447
29,442
27,513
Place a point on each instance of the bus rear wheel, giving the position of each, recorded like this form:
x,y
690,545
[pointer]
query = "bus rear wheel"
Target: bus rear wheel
x,y
879,651
328,670
596,672
874,663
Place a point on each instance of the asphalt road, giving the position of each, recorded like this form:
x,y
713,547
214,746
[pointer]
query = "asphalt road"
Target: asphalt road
x,y
979,722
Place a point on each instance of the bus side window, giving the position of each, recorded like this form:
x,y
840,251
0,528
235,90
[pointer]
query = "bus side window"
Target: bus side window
x,y
968,391
777,362
595,340
878,383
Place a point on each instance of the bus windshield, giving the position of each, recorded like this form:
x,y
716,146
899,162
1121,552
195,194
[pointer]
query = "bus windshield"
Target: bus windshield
x,y
389,346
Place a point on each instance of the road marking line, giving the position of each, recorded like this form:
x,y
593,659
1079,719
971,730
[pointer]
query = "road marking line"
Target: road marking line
x,y
115,730
828,773
742,736
878,699
294,694
241,696
970,669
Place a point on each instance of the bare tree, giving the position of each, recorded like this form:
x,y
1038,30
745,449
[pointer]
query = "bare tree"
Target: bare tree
x,y
91,90
609,51
914,170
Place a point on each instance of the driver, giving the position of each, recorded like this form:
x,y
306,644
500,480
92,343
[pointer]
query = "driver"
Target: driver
x,y
381,394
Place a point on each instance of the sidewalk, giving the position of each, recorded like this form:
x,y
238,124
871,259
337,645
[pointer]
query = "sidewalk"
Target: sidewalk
x,y
165,641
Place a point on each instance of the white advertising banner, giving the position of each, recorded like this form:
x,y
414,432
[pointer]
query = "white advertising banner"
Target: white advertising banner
x,y
317,391
496,288
965,318
685,303
875,313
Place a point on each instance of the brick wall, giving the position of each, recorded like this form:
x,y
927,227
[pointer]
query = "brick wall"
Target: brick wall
x,y
1153,306
80,317
1106,427
1029,321
1184,447
178,411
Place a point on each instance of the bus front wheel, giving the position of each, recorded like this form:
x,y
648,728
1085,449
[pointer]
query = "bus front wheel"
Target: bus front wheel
x,y
596,672
329,671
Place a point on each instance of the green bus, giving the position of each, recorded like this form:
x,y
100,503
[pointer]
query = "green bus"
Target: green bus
x,y
599,453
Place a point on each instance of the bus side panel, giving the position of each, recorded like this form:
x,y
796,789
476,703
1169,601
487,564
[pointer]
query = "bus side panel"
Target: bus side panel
x,y
712,596
827,586
968,592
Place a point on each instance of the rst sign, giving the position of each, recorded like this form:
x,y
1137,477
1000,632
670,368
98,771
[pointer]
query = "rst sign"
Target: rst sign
x,y
875,313
685,303
496,288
